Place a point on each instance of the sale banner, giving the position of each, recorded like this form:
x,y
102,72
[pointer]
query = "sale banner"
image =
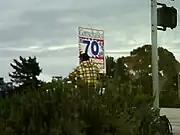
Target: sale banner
x,y
91,41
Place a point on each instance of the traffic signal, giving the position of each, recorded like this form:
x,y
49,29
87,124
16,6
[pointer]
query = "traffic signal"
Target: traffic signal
x,y
167,17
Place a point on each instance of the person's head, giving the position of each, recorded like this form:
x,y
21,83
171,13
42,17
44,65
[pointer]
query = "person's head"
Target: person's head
x,y
84,57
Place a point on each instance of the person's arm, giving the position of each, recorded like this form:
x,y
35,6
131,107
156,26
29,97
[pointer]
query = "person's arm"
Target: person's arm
x,y
73,75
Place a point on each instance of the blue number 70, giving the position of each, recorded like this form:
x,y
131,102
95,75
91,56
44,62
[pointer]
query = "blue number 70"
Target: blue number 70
x,y
88,43
93,44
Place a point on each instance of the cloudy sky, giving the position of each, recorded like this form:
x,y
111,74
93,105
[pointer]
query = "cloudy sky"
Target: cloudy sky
x,y
48,29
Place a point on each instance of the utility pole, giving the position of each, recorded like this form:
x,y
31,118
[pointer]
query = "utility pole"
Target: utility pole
x,y
155,75
165,17
178,85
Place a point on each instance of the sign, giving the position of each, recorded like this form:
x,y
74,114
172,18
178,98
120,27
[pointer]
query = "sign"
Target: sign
x,y
91,41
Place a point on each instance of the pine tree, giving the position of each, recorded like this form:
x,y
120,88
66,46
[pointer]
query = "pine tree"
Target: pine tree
x,y
25,71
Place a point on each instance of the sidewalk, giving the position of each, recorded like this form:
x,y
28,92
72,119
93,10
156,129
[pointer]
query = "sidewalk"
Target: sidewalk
x,y
173,115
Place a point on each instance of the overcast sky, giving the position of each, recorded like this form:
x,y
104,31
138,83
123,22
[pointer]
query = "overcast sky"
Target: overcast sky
x,y
48,29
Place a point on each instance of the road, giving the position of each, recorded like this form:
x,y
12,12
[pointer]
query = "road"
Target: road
x,y
173,115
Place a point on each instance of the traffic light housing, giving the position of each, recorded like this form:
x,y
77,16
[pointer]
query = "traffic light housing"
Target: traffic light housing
x,y
167,17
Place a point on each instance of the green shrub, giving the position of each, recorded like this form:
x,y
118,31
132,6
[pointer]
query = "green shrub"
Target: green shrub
x,y
67,110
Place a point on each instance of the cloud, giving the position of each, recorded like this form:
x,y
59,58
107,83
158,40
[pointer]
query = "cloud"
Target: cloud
x,y
48,29
62,47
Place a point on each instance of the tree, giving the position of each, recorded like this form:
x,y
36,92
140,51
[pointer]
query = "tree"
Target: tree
x,y
140,62
116,68
25,71
110,67
121,70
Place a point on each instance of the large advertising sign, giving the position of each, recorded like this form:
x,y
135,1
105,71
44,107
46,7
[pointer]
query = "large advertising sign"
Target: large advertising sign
x,y
91,41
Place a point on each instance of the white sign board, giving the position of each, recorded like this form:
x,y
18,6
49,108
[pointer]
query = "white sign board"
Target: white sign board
x,y
91,41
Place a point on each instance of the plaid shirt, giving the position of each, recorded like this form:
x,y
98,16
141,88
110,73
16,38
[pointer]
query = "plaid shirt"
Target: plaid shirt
x,y
87,72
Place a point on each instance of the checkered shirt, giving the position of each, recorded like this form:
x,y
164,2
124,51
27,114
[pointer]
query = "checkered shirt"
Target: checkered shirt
x,y
87,72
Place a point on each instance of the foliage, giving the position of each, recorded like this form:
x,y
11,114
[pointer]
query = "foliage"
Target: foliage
x,y
136,70
68,110
117,69
59,107
25,71
110,66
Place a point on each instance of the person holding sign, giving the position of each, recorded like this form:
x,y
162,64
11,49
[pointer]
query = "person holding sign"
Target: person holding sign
x,y
87,71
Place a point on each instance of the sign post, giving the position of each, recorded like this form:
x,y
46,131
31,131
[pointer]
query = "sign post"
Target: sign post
x,y
91,41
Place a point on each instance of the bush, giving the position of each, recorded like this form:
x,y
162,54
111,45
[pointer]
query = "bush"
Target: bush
x,y
169,99
67,110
